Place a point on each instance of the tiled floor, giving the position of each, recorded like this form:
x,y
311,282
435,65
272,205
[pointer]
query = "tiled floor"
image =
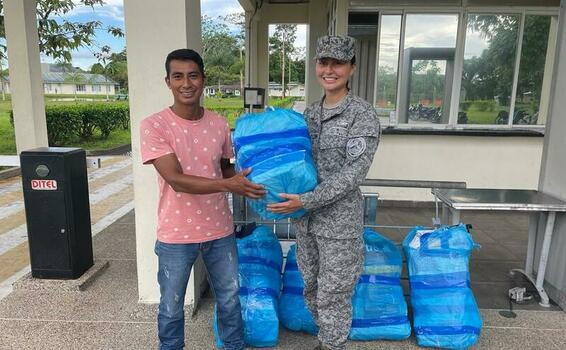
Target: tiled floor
x,y
107,315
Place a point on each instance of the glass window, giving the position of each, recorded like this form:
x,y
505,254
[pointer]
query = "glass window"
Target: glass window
x,y
427,68
81,87
530,108
386,91
487,74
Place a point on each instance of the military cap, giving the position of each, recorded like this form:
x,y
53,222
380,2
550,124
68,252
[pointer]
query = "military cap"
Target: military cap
x,y
335,46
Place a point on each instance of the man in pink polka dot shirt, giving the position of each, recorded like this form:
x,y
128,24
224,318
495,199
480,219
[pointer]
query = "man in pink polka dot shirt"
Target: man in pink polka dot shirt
x,y
190,148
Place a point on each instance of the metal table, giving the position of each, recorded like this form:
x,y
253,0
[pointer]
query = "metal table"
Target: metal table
x,y
540,206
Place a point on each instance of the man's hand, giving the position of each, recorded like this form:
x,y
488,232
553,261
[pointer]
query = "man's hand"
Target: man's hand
x,y
290,206
240,185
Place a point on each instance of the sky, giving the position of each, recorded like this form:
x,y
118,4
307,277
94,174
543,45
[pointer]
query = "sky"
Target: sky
x,y
419,31
112,14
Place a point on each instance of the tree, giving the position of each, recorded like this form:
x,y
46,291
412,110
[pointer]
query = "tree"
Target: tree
x,y
117,68
75,78
491,74
58,37
97,68
239,20
3,75
281,43
221,50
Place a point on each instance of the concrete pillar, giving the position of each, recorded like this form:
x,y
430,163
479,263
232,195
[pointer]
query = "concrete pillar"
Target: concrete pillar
x,y
154,28
26,84
548,67
262,57
553,168
318,26
251,49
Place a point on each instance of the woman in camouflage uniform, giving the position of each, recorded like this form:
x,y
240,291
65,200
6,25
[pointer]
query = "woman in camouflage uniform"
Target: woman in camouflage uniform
x,y
345,131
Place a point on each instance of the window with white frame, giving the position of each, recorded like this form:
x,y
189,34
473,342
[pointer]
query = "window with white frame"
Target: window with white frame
x,y
387,67
96,88
80,87
463,68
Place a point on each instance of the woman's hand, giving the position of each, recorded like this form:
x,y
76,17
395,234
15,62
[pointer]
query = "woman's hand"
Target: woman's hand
x,y
290,206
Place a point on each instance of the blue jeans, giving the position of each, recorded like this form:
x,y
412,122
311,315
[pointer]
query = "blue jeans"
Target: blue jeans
x,y
175,262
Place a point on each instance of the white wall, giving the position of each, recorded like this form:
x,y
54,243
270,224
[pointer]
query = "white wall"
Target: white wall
x,y
480,161
553,171
68,89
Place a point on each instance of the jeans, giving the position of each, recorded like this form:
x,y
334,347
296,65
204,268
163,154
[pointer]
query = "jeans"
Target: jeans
x,y
175,262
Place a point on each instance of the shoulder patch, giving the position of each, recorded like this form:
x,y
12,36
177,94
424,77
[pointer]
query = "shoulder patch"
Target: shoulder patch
x,y
356,147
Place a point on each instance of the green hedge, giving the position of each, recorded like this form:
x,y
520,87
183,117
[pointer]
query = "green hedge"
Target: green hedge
x,y
81,121
286,102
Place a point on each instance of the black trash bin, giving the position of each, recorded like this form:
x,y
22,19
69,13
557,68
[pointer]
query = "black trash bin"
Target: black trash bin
x,y
57,209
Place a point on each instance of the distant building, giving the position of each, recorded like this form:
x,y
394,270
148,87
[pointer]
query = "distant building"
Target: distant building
x,y
293,89
229,90
62,80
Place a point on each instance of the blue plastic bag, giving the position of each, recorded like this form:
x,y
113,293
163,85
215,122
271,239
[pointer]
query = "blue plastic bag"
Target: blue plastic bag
x,y
293,311
276,145
379,307
445,311
259,261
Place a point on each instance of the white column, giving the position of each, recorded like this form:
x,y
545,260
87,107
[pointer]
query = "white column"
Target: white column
x,y
318,26
26,84
154,28
251,49
262,56
553,167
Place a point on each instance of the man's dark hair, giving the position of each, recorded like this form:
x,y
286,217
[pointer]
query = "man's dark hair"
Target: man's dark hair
x,y
353,60
184,55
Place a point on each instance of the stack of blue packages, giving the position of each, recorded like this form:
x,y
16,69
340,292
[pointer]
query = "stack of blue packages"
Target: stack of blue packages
x,y
379,308
276,145
293,311
445,311
260,259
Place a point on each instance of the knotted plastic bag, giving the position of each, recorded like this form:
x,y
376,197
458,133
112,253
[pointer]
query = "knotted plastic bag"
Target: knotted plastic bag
x,y
445,311
259,263
379,307
276,145
293,311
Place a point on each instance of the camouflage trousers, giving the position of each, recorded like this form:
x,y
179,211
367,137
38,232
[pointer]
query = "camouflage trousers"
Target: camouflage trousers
x,y
331,268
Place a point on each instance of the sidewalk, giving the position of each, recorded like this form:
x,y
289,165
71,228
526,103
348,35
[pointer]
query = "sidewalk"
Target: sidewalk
x,y
107,315
111,197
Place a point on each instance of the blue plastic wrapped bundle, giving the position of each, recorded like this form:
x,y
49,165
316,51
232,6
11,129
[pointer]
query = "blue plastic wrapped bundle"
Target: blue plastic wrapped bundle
x,y
445,311
379,308
260,259
293,312
276,145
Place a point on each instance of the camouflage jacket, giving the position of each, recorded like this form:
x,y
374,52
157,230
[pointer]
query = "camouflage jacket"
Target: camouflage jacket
x,y
344,142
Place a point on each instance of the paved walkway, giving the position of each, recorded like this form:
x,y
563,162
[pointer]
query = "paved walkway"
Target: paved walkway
x,y
111,197
107,314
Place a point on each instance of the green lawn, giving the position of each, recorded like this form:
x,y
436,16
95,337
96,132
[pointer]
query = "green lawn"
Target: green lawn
x,y
213,102
230,108
476,116
7,139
